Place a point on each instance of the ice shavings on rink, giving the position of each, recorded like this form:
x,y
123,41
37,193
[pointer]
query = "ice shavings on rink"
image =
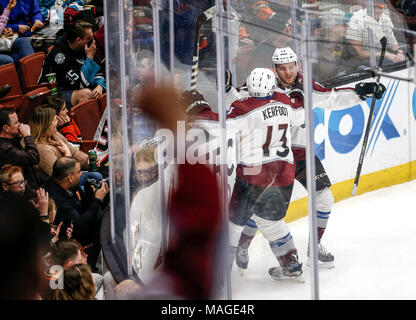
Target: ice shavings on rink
x,y
373,239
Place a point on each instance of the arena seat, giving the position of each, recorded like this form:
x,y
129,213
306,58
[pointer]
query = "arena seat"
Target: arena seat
x,y
15,98
87,116
31,67
8,75
29,102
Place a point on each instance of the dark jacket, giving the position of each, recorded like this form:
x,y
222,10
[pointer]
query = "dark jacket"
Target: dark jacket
x,y
12,152
27,196
83,212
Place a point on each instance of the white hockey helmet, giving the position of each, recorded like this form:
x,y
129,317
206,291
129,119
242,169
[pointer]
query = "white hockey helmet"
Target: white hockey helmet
x,y
261,83
284,55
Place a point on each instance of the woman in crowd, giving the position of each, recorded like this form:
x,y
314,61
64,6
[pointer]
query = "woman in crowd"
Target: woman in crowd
x,y
78,284
52,145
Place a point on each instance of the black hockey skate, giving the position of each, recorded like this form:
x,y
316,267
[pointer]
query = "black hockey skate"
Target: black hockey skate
x,y
290,268
325,259
241,259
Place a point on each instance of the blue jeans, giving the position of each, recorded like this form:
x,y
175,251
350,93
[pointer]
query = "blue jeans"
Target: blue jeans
x,y
21,48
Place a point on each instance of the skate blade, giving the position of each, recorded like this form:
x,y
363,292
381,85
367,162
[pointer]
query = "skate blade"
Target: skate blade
x,y
277,274
241,271
322,265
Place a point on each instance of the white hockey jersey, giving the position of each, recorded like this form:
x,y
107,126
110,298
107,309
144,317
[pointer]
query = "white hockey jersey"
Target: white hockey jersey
x,y
262,128
327,98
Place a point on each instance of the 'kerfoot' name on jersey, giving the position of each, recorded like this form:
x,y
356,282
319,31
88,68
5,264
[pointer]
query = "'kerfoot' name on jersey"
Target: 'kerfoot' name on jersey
x,y
274,111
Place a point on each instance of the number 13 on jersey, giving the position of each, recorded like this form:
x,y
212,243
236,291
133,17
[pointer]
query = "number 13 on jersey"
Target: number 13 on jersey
x,y
273,132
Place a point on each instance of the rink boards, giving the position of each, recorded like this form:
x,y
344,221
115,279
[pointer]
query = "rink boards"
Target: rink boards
x,y
391,150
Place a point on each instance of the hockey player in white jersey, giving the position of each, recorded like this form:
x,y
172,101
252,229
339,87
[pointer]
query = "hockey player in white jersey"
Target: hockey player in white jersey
x,y
265,168
290,82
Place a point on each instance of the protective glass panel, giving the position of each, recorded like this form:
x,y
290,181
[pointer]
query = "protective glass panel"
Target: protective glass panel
x,y
116,141
145,224
143,163
270,246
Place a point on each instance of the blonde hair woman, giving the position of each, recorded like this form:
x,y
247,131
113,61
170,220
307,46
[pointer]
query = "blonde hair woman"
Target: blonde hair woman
x,y
78,284
51,144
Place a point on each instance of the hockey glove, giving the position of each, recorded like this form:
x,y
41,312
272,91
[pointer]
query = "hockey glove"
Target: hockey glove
x,y
369,90
296,94
192,99
228,80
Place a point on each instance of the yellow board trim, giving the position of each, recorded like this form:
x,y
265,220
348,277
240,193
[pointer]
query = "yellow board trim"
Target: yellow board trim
x,y
369,182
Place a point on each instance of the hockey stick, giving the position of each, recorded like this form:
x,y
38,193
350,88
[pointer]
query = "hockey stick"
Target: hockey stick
x,y
383,41
205,16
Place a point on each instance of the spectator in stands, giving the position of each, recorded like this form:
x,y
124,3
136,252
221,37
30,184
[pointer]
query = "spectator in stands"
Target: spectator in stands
x,y
49,219
79,77
78,284
25,17
45,6
73,205
53,145
13,182
65,253
357,33
19,245
12,132
21,46
50,232
50,143
66,126
14,185
145,67
337,57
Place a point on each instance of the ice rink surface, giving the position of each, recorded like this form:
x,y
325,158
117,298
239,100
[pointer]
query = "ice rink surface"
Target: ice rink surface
x,y
373,239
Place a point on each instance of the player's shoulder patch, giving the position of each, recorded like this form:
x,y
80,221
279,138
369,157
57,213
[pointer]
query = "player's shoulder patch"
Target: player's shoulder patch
x,y
60,58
